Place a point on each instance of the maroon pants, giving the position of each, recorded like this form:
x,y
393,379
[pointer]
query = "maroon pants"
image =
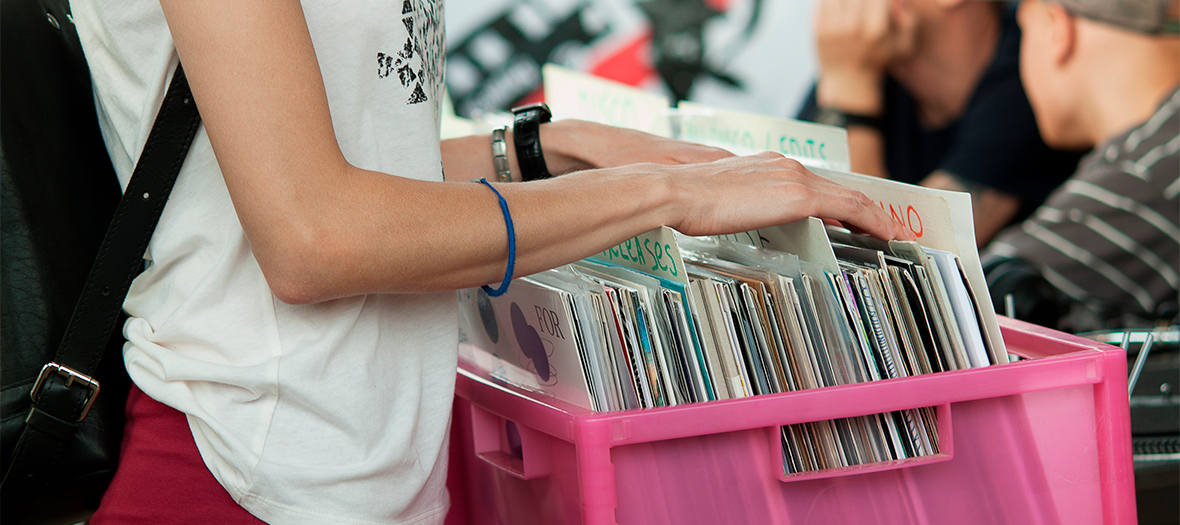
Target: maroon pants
x,y
161,478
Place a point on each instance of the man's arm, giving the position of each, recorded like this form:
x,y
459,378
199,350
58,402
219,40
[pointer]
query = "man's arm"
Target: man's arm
x,y
991,208
857,40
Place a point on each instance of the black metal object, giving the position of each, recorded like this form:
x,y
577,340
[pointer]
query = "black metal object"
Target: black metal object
x,y
63,272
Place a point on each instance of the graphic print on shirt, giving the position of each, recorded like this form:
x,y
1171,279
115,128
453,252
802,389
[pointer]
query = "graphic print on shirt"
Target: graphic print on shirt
x,y
418,65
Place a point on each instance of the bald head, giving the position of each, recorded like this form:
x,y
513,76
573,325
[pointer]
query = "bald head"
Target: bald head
x,y
1088,80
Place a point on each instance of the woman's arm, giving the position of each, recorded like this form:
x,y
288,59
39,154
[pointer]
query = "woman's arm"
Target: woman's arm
x,y
322,228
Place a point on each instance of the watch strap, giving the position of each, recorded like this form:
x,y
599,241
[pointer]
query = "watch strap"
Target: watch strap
x,y
526,130
838,118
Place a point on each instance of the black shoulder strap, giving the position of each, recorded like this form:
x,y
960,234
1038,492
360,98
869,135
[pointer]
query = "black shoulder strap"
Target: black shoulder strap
x,y
65,390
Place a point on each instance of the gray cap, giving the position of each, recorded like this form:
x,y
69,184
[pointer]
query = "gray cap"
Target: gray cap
x,y
1144,16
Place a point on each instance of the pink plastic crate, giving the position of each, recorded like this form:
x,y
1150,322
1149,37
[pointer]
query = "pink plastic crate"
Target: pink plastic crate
x,y
1041,441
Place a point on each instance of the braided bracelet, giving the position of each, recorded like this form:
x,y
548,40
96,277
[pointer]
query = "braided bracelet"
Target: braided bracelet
x,y
511,243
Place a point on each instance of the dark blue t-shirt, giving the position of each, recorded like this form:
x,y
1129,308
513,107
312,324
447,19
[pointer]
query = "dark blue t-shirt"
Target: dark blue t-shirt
x,y
994,143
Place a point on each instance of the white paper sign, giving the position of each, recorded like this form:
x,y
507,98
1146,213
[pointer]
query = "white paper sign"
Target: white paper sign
x,y
814,145
573,94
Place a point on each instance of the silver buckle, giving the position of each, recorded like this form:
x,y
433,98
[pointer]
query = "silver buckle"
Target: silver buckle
x,y
71,376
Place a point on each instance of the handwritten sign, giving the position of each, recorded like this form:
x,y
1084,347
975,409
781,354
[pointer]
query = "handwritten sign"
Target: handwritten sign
x,y
573,94
924,211
814,145
654,253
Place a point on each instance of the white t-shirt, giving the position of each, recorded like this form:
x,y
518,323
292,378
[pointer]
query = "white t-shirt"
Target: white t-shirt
x,y
328,413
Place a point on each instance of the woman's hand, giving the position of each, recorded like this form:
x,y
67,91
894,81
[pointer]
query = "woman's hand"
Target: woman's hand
x,y
746,193
572,145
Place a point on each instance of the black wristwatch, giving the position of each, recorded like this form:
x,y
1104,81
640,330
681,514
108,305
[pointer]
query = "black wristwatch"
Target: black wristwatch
x,y
835,117
526,136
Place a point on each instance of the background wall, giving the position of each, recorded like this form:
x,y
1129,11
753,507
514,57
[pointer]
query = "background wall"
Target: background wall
x,y
751,55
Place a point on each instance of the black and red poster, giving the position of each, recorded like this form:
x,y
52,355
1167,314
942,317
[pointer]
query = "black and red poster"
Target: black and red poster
x,y
751,55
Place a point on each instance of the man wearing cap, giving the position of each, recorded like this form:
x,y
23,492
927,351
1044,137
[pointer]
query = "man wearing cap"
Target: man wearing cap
x,y
1106,74
930,93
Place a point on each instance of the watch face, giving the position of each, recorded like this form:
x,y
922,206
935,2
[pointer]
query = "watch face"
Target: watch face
x,y
543,108
830,117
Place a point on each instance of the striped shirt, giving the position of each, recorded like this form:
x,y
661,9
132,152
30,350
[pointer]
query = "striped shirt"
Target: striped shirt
x,y
1110,234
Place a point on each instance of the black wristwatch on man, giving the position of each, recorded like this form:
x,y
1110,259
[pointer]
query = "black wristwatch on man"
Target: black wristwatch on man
x,y
841,119
526,136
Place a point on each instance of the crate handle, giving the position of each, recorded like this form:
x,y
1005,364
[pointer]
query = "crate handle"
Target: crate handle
x,y
946,452
513,448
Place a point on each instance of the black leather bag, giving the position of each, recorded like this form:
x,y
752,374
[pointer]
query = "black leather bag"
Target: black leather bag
x,y
62,281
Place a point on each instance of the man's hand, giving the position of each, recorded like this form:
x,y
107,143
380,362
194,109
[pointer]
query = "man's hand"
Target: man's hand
x,y
857,40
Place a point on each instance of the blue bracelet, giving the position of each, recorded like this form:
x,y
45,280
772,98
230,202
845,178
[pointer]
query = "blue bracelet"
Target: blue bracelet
x,y
511,243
